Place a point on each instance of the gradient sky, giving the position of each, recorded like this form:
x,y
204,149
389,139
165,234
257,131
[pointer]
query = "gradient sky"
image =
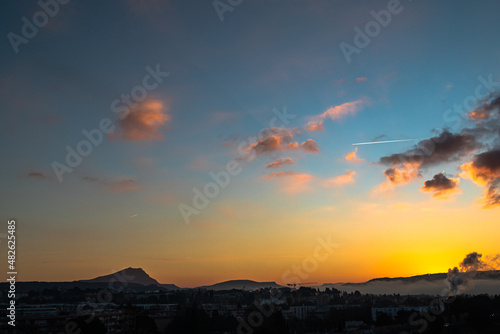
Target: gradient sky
x,y
120,206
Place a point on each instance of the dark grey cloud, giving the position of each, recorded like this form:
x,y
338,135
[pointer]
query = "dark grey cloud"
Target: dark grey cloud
x,y
441,185
445,147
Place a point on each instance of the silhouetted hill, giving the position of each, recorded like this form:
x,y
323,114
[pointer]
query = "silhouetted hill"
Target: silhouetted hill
x,y
477,283
241,285
129,275
492,274
129,279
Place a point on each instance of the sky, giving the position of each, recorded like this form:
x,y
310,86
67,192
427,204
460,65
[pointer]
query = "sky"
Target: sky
x,y
205,141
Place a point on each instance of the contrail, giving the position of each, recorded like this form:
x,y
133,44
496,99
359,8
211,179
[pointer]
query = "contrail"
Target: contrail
x,y
383,142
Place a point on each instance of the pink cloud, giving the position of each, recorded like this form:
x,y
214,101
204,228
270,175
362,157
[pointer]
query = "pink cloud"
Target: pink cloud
x,y
281,162
280,139
361,79
143,123
310,146
316,122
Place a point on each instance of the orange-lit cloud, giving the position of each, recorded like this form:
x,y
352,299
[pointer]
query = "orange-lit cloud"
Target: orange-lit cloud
x,y
484,170
441,186
316,122
143,123
396,176
352,157
341,180
478,114
280,139
292,182
310,146
402,174
281,162
486,110
361,79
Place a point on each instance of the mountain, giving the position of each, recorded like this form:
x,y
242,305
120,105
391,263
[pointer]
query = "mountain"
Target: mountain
x,y
129,275
473,283
241,285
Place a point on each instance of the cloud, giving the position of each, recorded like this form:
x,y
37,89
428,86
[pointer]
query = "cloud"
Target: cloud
x,y
347,178
445,147
397,176
460,280
387,77
487,119
281,162
361,79
315,123
478,114
402,174
143,123
116,186
484,170
293,182
379,137
493,104
352,157
37,175
450,147
441,186
472,261
280,139
310,146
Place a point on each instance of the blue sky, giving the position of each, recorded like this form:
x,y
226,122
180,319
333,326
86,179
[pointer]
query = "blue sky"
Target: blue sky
x,y
225,79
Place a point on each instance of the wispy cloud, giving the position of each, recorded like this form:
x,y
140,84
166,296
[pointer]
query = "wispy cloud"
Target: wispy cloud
x,y
281,162
37,175
347,178
292,182
316,122
117,186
